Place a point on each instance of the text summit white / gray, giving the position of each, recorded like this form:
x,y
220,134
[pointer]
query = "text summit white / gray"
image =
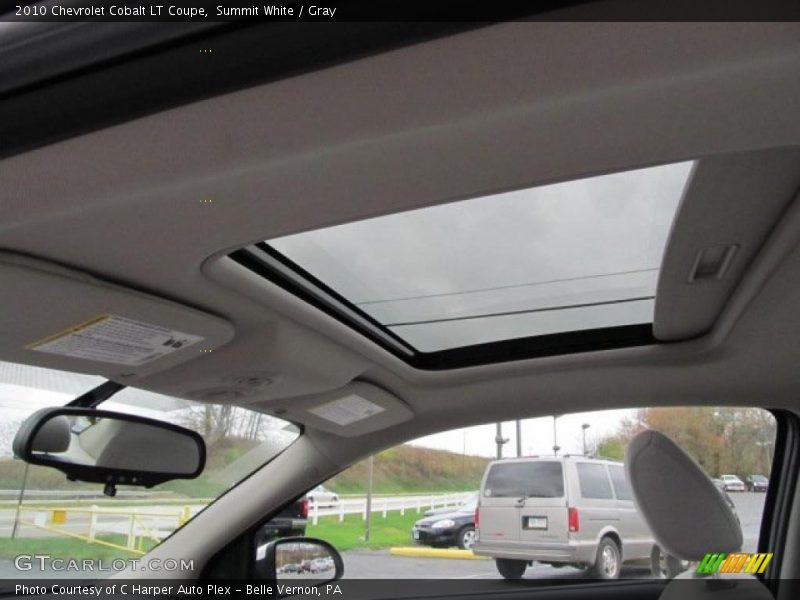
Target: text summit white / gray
x,y
290,11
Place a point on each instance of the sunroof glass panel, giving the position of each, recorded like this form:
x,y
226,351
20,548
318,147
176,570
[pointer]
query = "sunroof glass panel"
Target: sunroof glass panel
x,y
560,258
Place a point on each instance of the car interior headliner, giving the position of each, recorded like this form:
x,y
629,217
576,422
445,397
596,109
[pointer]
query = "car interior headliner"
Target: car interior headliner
x,y
143,214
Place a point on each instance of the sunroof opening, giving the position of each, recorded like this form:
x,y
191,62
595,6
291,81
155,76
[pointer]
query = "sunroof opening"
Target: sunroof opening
x,y
568,257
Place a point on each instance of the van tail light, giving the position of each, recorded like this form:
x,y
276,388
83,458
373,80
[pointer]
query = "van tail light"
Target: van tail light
x,y
573,520
477,517
304,508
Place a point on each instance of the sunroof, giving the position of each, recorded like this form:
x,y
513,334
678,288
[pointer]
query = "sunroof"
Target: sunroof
x,y
568,257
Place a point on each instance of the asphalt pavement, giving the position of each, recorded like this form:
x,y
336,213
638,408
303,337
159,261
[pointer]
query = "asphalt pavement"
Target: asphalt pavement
x,y
379,564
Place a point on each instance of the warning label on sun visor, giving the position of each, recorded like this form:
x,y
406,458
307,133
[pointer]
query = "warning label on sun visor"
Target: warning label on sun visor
x,y
114,339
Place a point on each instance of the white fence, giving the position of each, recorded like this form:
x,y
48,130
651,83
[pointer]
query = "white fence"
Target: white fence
x,y
135,523
385,504
139,523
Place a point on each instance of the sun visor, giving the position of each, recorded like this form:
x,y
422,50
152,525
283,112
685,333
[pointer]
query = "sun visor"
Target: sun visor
x,y
728,211
58,318
353,410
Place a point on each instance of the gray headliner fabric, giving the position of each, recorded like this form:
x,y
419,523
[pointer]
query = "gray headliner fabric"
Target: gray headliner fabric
x,y
685,511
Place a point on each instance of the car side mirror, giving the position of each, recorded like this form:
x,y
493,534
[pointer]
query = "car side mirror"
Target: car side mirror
x,y
300,560
111,448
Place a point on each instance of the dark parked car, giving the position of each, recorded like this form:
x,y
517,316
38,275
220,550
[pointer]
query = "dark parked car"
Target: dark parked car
x,y
756,483
290,522
454,527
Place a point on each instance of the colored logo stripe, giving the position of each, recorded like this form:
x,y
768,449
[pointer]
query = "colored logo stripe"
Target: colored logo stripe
x,y
737,562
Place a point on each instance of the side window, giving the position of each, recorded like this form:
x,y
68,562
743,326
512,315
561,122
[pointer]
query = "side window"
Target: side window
x,y
593,480
424,494
621,488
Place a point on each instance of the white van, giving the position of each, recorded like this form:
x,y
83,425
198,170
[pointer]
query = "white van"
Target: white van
x,y
560,510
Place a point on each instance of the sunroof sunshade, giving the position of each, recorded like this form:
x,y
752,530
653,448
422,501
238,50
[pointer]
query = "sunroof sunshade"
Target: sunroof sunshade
x,y
559,258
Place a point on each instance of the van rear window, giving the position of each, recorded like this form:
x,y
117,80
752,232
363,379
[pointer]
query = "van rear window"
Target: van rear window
x,y
541,479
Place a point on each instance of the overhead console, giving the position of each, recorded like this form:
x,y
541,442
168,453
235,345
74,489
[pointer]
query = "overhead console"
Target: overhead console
x,y
64,319
727,213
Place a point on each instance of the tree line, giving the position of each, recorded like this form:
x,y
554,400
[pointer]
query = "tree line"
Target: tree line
x,y
721,439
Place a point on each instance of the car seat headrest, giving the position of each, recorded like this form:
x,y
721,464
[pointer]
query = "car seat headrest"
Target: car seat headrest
x,y
686,512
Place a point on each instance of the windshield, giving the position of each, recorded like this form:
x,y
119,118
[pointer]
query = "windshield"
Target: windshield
x,y
69,519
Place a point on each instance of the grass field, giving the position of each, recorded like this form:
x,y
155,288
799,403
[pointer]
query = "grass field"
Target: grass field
x,y
412,470
394,530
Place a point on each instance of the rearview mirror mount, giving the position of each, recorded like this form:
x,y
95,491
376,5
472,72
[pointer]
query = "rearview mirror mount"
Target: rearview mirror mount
x,y
110,448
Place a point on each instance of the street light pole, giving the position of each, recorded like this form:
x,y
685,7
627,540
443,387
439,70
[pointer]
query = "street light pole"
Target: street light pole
x,y
369,498
19,502
585,426
519,438
464,450
500,440
556,447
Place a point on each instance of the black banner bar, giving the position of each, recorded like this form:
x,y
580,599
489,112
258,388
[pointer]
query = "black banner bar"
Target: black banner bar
x,y
398,10
378,589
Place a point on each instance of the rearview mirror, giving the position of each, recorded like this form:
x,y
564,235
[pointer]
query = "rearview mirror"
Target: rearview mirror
x,y
99,446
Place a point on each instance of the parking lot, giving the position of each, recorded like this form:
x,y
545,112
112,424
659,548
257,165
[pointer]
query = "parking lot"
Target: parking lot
x,y
379,564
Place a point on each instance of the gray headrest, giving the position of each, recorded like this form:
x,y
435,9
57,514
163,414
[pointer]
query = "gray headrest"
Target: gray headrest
x,y
684,509
54,436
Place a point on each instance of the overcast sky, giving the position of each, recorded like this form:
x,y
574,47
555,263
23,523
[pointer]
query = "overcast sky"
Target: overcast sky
x,y
593,240
537,435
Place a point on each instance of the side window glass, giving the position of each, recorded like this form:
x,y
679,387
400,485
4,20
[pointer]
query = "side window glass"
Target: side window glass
x,y
621,488
593,480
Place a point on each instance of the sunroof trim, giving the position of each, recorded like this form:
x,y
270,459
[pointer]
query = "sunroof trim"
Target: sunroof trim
x,y
293,276
575,342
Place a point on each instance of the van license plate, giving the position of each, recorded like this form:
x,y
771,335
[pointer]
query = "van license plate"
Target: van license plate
x,y
534,522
